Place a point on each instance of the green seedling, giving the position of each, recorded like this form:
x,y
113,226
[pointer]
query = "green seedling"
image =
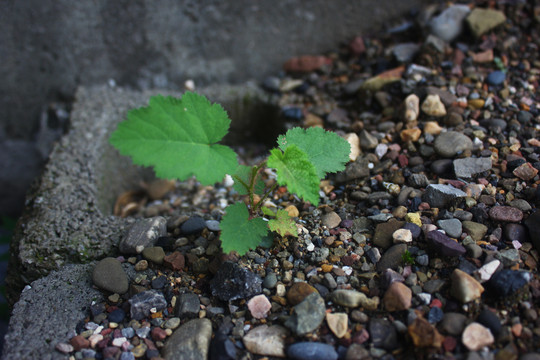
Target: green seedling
x,y
407,258
180,138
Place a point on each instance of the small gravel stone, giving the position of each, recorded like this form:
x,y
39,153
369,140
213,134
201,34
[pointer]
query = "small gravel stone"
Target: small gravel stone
x,y
475,337
189,341
188,305
496,77
505,213
259,306
338,323
154,254
440,195
307,315
482,20
142,303
331,220
398,297
233,282
270,281
175,261
433,106
452,227
392,258
311,351
193,225
213,225
469,167
448,25
384,231
402,236
451,143
383,334
266,341
445,245
464,287
353,299
490,320
506,282
142,234
476,230
453,323
424,334
110,276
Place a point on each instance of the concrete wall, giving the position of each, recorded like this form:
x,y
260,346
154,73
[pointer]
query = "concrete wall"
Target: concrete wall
x,y
49,47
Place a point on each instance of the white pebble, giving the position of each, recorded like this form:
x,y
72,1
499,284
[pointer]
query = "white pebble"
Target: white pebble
x,y
488,270
119,341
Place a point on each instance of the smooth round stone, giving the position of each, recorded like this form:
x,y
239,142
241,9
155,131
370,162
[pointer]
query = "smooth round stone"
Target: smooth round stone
x,y
515,232
496,77
490,320
451,143
270,281
117,315
475,230
312,351
476,336
110,276
506,214
266,341
213,225
154,254
473,250
453,323
452,227
331,220
464,287
193,225
506,281
298,292
449,23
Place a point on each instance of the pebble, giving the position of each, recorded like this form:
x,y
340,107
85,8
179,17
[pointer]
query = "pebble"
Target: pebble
x,y
338,323
298,292
449,144
110,276
453,323
383,236
212,225
402,236
233,282
142,234
193,225
424,334
445,245
476,336
392,258
383,334
368,141
188,305
175,261
331,220
506,214
353,299
412,108
482,20
398,297
154,254
448,25
464,287
533,225
507,282
469,167
189,341
496,77
490,320
451,227
525,172
433,106
476,230
259,306
440,195
311,351
266,340
307,316
142,303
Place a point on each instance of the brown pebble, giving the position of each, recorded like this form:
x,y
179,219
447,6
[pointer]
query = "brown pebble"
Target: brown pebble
x,y
298,292
79,342
505,213
175,261
525,172
423,334
398,297
410,134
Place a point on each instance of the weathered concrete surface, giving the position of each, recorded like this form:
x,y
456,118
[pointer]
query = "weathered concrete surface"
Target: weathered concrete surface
x,y
50,47
48,313
68,215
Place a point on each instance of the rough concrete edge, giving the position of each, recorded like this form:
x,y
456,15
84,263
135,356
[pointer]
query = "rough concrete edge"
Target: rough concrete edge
x,y
65,220
48,312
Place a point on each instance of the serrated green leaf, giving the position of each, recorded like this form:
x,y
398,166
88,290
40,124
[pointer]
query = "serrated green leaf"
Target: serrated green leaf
x,y
238,232
178,137
244,173
326,150
283,224
295,170
267,211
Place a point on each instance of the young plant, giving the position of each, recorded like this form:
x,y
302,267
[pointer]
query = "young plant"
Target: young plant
x,y
180,138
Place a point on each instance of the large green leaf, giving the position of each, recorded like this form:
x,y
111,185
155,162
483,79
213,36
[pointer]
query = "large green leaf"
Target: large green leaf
x,y
295,170
178,137
326,150
238,232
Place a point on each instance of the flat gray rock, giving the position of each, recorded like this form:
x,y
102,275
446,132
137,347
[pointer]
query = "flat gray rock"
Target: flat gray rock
x,y
110,276
189,341
48,312
469,167
440,195
451,143
143,234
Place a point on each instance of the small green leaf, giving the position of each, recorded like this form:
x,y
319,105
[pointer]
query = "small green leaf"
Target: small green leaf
x,y
326,150
238,232
244,173
267,211
295,171
178,137
283,224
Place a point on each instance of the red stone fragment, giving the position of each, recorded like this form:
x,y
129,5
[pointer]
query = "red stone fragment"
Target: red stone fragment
x,y
403,160
525,172
78,342
361,337
175,261
357,46
305,63
449,343
158,334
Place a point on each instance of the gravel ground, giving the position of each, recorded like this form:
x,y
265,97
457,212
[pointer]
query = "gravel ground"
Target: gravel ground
x,y
426,246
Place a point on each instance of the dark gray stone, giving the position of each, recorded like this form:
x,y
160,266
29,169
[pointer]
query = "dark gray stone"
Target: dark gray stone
x,y
233,282
110,276
507,282
189,341
452,227
445,245
451,143
383,334
311,351
392,258
440,195
141,303
187,305
467,168
193,225
490,320
452,323
53,305
354,170
308,315
533,225
143,234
